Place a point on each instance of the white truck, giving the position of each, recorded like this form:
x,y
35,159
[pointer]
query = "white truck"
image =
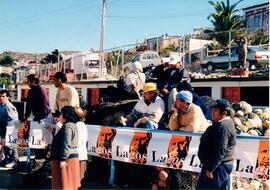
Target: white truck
x,y
87,63
146,58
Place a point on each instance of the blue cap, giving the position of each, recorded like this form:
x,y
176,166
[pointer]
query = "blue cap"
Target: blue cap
x,y
185,95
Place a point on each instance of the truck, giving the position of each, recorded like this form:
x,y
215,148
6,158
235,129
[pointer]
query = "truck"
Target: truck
x,y
256,56
146,58
86,64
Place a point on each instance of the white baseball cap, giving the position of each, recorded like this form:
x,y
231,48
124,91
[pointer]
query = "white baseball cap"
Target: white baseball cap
x,y
174,60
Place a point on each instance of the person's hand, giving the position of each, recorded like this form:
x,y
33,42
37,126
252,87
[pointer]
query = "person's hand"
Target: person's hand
x,y
137,123
164,91
63,164
209,174
163,175
123,120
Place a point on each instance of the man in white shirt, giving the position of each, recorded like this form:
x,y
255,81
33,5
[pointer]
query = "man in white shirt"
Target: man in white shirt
x,y
148,111
66,95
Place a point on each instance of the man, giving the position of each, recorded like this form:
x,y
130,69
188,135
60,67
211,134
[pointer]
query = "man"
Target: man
x,y
176,73
104,142
178,150
242,52
8,113
66,95
216,149
37,100
187,116
148,110
82,101
160,72
184,85
138,147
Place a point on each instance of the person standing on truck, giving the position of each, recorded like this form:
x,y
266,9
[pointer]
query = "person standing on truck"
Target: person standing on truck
x,y
242,52
66,94
135,79
176,74
37,100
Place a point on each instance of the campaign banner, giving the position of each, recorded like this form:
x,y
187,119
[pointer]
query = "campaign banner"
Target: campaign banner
x,y
36,139
11,138
170,149
176,150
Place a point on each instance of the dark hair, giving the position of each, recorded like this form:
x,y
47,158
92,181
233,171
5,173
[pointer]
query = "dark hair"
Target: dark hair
x,y
5,91
33,78
69,114
61,76
184,85
223,105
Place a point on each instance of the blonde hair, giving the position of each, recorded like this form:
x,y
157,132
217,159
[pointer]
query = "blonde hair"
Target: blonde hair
x,y
80,113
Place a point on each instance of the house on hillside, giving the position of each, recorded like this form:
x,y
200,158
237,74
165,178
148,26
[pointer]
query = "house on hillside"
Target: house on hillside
x,y
256,17
163,41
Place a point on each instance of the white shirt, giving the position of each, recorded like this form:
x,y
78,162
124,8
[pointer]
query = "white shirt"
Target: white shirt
x,y
136,79
83,138
154,111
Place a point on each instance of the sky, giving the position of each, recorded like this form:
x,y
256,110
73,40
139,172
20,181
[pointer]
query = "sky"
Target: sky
x,y
40,26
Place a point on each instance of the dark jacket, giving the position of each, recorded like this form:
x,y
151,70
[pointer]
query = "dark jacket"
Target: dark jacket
x,y
175,76
37,103
217,144
161,73
65,143
199,102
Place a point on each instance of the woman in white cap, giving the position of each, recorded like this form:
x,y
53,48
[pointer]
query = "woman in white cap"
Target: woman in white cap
x,y
135,79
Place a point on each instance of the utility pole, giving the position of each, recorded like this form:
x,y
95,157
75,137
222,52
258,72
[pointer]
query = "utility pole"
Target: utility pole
x,y
101,53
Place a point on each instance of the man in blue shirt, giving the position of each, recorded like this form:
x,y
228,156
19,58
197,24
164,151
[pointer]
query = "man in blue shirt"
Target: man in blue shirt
x,y
8,113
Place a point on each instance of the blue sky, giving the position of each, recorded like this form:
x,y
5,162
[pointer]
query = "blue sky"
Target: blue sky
x,y
37,26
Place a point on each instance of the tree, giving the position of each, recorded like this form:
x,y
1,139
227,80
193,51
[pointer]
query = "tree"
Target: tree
x,y
6,61
52,58
259,38
5,79
224,19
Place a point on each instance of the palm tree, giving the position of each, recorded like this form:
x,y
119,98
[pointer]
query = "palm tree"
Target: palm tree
x,y
259,38
224,19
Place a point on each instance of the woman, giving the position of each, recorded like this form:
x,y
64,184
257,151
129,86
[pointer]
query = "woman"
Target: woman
x,y
64,153
83,137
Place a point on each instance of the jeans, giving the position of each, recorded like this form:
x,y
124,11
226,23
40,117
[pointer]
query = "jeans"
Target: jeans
x,y
220,179
149,125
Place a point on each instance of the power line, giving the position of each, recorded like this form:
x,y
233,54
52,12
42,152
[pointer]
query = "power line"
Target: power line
x,y
62,9
48,15
176,15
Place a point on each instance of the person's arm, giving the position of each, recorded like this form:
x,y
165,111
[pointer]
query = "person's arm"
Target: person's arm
x,y
28,105
173,122
12,112
65,148
73,99
56,106
220,145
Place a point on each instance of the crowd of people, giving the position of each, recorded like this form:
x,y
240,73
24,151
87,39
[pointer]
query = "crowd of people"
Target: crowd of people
x,y
167,104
